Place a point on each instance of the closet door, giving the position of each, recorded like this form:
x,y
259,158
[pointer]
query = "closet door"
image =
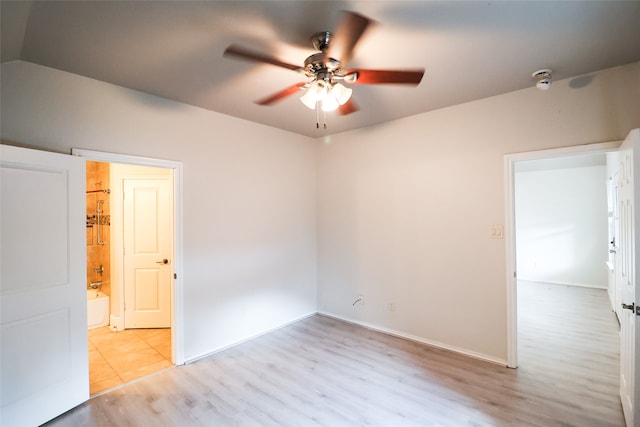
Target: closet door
x,y
43,302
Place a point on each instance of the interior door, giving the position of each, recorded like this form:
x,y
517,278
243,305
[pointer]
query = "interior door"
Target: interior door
x,y
43,300
626,259
148,233
614,242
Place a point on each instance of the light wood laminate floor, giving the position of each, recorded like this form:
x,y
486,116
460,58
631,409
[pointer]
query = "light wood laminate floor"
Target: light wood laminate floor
x,y
324,372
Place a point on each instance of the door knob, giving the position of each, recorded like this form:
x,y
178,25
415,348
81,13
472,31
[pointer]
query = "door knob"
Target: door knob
x,y
164,261
631,306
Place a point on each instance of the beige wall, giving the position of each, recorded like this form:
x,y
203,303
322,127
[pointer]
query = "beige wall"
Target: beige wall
x,y
561,223
405,208
248,193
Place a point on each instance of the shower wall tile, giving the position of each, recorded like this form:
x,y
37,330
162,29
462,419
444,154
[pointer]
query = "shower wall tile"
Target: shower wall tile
x,y
104,258
89,236
98,254
91,203
92,175
106,235
92,257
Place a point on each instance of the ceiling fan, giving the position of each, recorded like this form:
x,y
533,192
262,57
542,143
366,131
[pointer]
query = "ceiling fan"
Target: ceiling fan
x,y
326,69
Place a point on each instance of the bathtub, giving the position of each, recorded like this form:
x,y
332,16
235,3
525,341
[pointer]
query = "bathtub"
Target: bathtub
x,y
97,308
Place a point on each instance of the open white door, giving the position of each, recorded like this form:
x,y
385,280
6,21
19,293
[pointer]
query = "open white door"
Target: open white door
x,y
626,259
148,231
43,302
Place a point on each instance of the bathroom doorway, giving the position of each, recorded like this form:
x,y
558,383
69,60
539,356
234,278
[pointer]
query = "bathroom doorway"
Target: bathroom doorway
x,y
132,264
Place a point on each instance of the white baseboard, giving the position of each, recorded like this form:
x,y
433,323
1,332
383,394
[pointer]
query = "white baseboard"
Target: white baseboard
x,y
420,340
579,285
115,323
387,331
235,343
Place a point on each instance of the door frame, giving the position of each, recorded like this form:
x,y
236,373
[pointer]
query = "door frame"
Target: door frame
x,y
509,227
177,314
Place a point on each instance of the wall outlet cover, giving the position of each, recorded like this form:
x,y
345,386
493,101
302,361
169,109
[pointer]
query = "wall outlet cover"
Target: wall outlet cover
x,y
497,232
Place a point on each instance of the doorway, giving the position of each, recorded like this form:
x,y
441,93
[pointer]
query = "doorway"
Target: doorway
x,y
510,228
565,318
143,334
142,246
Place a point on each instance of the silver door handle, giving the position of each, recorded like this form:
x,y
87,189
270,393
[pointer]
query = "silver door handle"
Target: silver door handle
x,y
164,261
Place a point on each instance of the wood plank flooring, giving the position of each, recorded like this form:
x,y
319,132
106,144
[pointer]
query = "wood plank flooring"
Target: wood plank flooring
x,y
324,372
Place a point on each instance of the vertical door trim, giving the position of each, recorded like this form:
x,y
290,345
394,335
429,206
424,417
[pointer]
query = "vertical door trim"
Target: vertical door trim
x,y
509,228
177,318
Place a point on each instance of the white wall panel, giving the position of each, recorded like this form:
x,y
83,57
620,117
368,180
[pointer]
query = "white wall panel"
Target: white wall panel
x,y
406,209
249,193
561,226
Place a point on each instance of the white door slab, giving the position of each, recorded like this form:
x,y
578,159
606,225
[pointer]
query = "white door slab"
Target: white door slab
x,y
148,232
43,301
626,261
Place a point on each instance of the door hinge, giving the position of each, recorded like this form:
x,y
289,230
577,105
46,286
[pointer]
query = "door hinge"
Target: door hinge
x,y
175,276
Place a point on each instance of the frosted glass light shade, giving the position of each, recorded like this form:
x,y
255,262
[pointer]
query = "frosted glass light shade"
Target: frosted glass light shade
x,y
316,92
329,103
331,96
341,93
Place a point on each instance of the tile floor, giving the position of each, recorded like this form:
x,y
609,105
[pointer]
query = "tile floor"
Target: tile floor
x,y
119,357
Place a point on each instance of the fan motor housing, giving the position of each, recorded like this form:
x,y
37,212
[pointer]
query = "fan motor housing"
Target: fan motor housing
x,y
315,64
321,40
319,62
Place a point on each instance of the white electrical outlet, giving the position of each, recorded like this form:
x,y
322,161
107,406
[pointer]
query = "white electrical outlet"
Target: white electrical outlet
x,y
392,306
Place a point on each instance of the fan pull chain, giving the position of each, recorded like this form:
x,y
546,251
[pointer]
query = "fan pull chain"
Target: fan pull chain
x,y
324,120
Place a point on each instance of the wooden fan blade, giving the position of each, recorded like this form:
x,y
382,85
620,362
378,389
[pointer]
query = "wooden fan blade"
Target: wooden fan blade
x,y
346,36
348,108
372,77
282,94
242,53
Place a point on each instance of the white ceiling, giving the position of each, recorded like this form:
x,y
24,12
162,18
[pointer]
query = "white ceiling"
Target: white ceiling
x,y
173,49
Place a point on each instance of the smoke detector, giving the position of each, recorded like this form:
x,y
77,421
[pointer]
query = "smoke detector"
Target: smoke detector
x,y
543,78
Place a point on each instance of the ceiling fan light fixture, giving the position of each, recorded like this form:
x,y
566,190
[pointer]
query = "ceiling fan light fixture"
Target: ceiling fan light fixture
x,y
315,93
341,93
330,95
325,70
330,103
